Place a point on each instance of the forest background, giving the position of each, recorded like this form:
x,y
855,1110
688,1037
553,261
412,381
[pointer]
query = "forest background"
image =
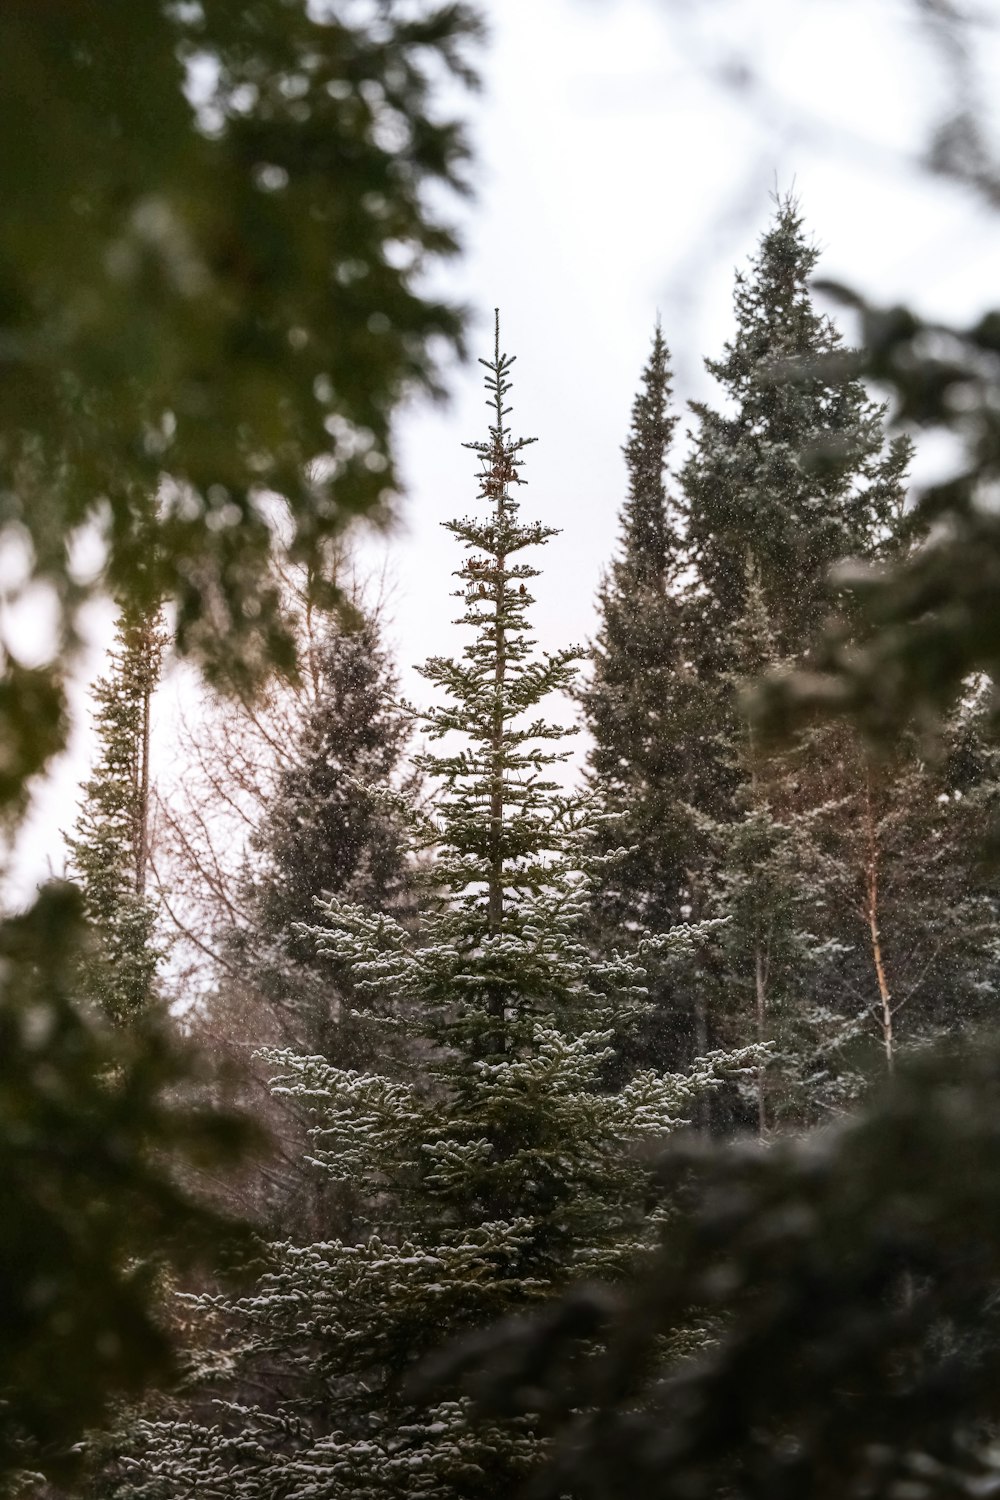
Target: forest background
x,y
680,122
961,640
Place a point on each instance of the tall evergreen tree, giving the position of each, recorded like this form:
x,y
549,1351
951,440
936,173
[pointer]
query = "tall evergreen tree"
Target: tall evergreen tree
x,y
645,709
794,465
330,827
110,849
831,870
773,882
636,761
501,1168
311,790
790,475
321,833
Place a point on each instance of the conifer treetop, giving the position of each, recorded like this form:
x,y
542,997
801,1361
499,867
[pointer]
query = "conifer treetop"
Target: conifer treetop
x,y
109,852
775,315
795,463
499,817
649,538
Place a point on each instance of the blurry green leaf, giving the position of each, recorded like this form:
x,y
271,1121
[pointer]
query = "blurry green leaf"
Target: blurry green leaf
x,y
90,1209
930,619
32,727
217,221
851,1282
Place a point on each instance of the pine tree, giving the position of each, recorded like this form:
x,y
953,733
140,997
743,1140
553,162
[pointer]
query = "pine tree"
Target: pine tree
x,y
500,1168
794,465
111,847
856,917
277,801
848,895
634,680
772,882
789,476
645,709
330,828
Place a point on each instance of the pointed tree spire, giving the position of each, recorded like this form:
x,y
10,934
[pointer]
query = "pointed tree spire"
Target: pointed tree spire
x,y
110,850
649,536
794,462
504,613
631,703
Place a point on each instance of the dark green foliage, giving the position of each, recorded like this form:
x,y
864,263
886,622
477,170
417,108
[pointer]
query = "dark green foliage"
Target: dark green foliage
x,y
848,1281
90,1214
792,468
858,909
897,848
33,726
334,826
788,476
851,1279
646,710
649,536
499,1166
930,618
110,851
216,220
634,702
762,875
325,830
854,909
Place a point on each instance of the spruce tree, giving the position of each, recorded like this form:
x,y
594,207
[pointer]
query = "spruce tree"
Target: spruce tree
x,y
645,709
500,1168
330,827
281,800
793,465
110,850
771,880
787,477
848,894
635,761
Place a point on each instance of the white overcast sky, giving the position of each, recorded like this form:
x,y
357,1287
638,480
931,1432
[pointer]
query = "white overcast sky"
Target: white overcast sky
x,y
617,180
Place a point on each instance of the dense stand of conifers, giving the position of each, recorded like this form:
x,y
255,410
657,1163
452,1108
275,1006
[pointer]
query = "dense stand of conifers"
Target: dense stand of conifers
x,y
467,1000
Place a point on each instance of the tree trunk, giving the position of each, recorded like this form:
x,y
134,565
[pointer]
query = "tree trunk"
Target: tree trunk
x,y
760,985
883,1011
700,1048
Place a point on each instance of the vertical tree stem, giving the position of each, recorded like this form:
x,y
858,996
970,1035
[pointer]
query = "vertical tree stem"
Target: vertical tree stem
x,y
884,1015
142,787
760,984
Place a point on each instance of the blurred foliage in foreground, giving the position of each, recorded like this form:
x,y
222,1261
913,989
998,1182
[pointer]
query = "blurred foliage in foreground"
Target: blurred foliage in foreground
x,y
849,1282
217,220
932,619
89,1212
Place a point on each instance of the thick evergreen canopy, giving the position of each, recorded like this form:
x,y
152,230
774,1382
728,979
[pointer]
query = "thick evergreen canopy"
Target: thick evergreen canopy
x,y
500,1167
792,467
638,700
323,831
